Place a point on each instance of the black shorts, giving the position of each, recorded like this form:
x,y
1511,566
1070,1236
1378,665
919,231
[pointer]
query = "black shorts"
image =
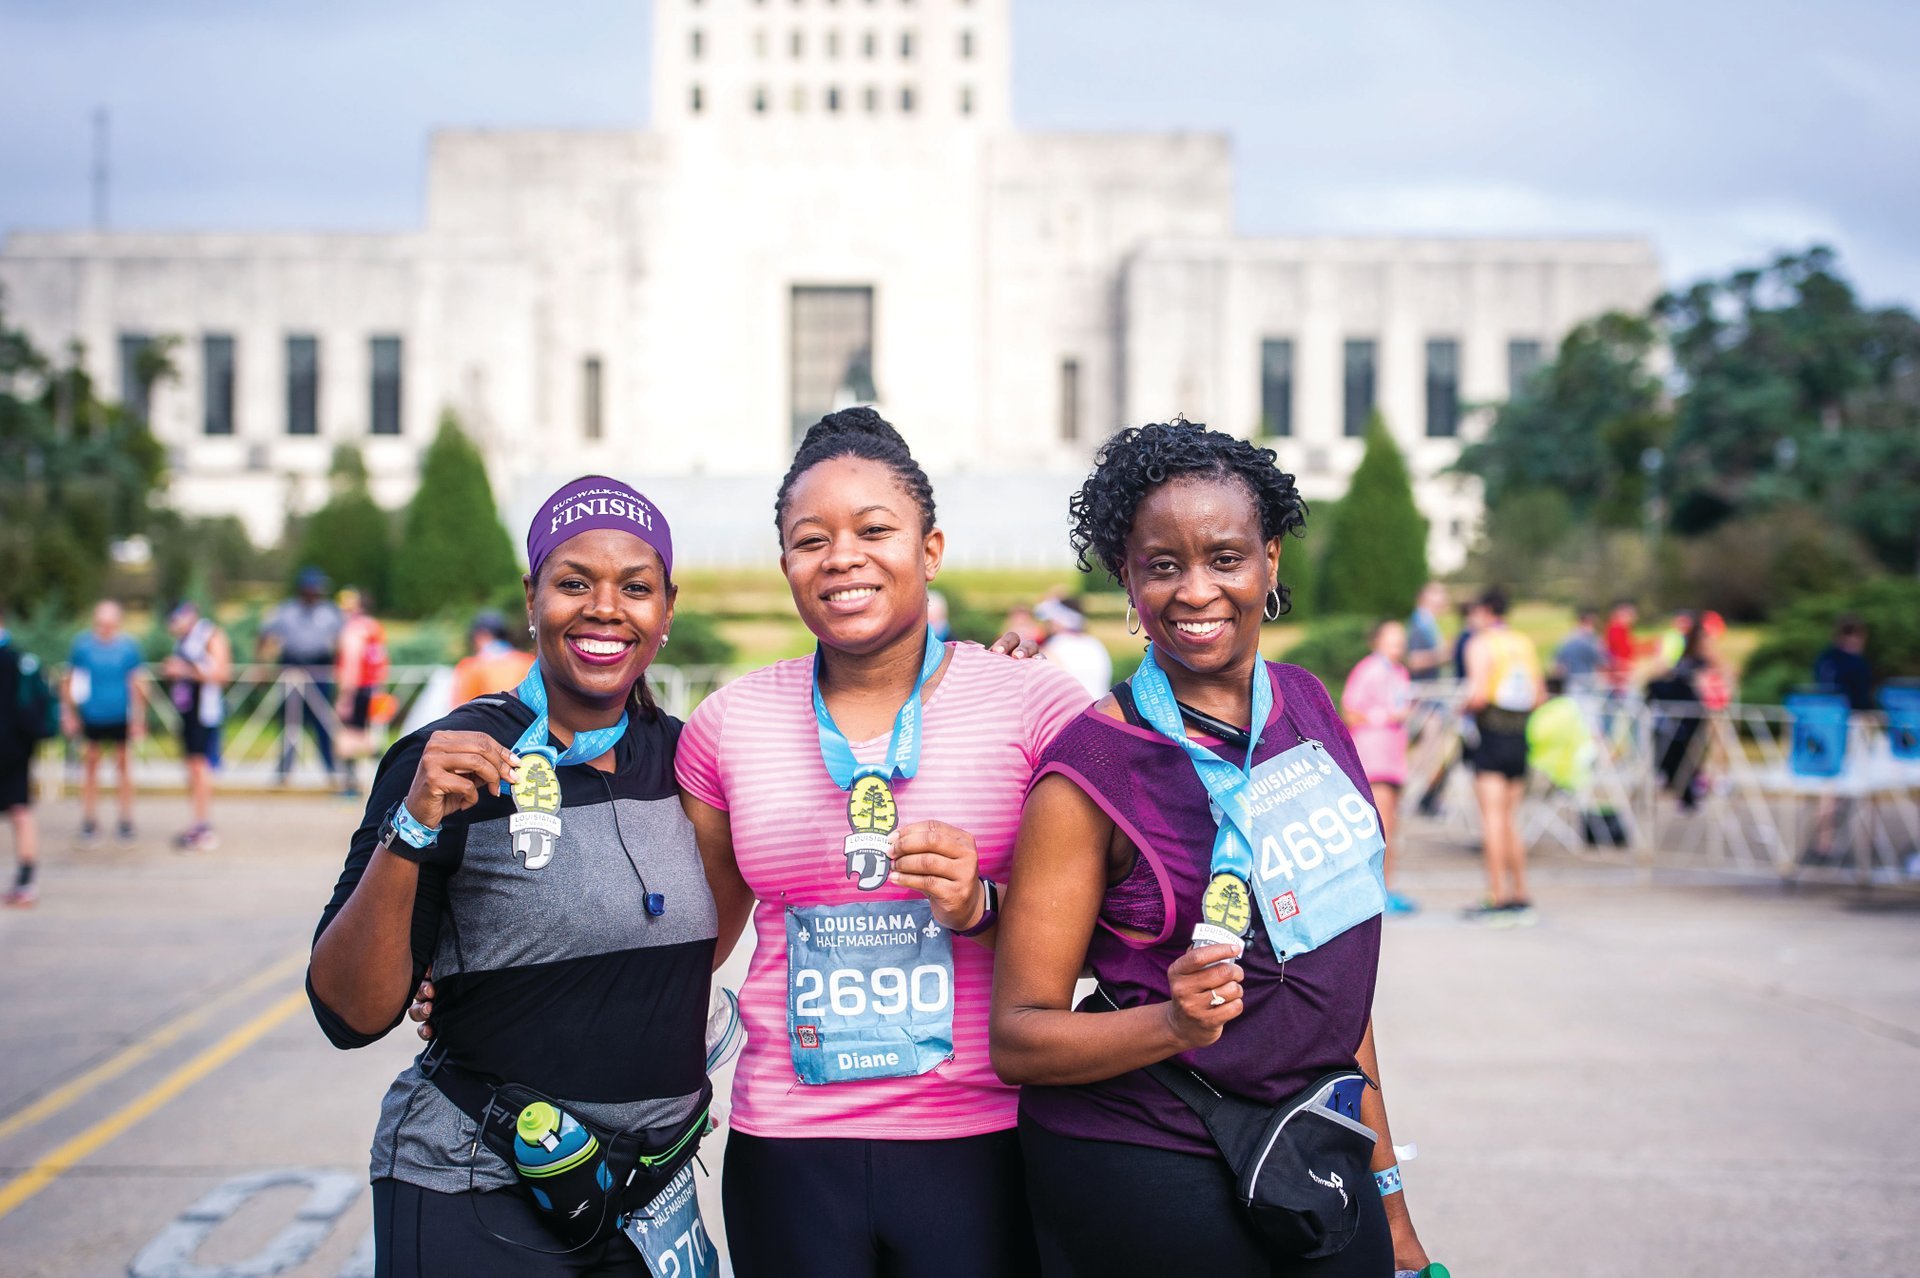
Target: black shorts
x,y
418,1233
16,784
199,740
359,714
1502,749
1103,1209
819,1208
108,733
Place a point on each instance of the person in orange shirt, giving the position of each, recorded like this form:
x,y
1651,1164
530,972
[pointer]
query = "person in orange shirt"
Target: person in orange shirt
x,y
360,667
495,665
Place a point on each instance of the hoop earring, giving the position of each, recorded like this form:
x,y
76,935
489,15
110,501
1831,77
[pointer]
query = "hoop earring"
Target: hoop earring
x,y
1272,611
1133,619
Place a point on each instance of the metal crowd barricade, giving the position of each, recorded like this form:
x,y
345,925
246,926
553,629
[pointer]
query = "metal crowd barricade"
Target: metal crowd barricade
x,y
1690,788
269,706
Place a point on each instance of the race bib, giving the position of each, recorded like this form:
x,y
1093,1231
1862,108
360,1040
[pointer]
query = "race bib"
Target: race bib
x,y
670,1234
1318,855
869,990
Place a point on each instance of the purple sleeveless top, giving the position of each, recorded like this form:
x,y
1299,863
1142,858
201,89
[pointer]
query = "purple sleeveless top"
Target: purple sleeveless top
x,y
1293,1029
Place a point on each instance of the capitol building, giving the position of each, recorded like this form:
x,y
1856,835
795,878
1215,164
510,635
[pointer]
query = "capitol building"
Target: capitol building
x,y
832,203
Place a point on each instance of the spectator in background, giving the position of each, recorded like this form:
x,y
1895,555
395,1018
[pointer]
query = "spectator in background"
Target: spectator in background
x,y
938,616
1623,650
1579,659
1070,647
1673,640
1426,652
1503,688
1022,622
19,734
1843,665
101,704
360,671
495,666
304,632
1375,703
197,671
1474,618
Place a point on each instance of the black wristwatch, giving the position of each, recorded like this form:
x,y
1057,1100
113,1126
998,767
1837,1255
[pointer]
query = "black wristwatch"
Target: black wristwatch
x,y
988,916
394,839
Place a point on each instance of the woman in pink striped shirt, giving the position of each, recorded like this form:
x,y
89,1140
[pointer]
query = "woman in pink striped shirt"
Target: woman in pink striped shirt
x,y
861,805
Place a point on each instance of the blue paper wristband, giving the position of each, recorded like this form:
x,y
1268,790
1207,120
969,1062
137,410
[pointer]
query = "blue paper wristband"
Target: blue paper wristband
x,y
1388,1180
409,829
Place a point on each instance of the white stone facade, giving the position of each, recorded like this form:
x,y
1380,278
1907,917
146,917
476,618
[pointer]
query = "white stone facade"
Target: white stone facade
x,y
668,305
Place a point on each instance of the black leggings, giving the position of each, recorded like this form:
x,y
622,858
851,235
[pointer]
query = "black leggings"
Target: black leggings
x,y
1108,1210
803,1208
418,1233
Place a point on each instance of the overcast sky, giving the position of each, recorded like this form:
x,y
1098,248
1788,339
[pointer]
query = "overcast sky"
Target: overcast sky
x,y
1724,130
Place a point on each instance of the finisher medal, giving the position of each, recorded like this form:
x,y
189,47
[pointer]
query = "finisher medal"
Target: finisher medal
x,y
536,824
873,814
1226,911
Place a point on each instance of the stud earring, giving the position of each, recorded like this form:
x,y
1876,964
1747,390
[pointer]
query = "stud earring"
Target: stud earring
x,y
664,638
532,633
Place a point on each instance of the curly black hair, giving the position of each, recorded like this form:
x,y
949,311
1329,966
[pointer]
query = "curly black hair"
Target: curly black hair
x,y
1135,461
856,432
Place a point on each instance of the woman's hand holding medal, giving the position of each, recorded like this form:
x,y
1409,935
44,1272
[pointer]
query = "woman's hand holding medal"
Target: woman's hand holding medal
x,y
454,770
940,862
1205,984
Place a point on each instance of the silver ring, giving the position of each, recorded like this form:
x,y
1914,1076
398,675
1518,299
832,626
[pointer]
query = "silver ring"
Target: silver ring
x,y
1216,1000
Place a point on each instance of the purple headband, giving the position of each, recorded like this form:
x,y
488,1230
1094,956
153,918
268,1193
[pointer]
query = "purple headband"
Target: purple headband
x,y
592,502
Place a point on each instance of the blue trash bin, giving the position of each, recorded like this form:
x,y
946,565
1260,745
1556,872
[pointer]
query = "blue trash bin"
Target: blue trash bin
x,y
1819,733
1902,704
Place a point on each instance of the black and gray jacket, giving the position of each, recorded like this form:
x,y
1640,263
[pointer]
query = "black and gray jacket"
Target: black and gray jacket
x,y
555,978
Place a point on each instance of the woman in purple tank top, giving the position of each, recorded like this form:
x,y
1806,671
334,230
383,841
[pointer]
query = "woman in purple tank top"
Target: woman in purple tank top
x,y
1114,857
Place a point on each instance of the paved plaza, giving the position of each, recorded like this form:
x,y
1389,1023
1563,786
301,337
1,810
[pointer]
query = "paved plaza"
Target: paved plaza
x,y
1682,1077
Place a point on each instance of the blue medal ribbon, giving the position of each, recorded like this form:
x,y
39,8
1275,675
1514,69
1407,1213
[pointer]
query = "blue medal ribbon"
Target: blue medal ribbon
x,y
586,746
903,752
1225,782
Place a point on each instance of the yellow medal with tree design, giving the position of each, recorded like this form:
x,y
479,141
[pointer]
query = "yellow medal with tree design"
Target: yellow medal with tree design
x,y
873,814
1226,911
536,824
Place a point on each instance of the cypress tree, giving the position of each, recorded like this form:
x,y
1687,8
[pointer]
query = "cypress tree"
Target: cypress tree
x,y
453,551
1377,544
351,537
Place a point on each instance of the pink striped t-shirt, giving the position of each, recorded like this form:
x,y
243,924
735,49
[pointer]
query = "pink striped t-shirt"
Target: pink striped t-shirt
x,y
752,749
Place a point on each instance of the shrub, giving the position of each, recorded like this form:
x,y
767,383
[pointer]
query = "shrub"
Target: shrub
x,y
453,553
1376,557
1332,647
1889,607
1750,568
697,641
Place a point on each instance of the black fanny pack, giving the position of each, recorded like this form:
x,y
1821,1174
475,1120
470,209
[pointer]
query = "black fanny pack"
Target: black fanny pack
x,y
1300,1166
583,1177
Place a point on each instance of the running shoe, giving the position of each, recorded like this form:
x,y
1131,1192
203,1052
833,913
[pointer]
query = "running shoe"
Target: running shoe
x,y
124,833
23,897
199,838
89,834
1397,904
1485,912
1520,913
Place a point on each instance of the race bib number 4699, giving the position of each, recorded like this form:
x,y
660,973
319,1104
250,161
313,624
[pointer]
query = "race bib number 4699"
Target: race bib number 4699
x,y
869,990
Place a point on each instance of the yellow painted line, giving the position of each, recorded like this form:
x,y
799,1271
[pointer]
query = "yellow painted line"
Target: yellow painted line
x,y
61,1160
134,1053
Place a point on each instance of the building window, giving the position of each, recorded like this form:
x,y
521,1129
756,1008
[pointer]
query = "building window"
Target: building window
x,y
966,99
759,44
833,44
1523,361
799,98
872,100
797,43
1443,388
966,44
832,352
697,42
696,100
760,100
906,46
1358,397
1069,399
833,99
906,99
1276,386
869,45
303,384
385,352
133,384
590,397
216,380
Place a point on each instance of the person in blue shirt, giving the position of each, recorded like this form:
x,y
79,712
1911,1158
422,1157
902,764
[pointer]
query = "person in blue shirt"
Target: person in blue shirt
x,y
101,703
1843,665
